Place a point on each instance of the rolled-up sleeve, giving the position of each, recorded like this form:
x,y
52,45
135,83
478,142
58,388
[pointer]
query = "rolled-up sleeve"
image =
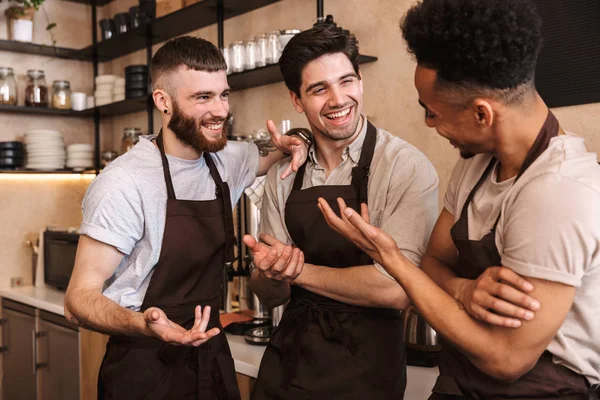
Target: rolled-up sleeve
x,y
112,211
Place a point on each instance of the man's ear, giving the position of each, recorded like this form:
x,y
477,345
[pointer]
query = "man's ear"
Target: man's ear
x,y
296,102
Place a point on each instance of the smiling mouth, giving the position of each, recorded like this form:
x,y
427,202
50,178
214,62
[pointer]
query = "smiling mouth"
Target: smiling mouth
x,y
213,127
339,117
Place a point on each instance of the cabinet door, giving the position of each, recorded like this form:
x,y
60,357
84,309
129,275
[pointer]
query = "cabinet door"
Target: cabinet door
x,y
19,380
58,361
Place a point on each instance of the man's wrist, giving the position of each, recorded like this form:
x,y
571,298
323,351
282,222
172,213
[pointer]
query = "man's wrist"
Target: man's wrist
x,y
303,134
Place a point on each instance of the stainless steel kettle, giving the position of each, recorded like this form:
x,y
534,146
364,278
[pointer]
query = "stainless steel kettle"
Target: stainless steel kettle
x,y
417,332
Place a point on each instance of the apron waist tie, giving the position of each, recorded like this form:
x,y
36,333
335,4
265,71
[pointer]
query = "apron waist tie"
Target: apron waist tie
x,y
299,317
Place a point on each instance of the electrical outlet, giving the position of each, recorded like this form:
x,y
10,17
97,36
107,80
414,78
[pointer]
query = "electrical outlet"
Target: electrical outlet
x,y
16,281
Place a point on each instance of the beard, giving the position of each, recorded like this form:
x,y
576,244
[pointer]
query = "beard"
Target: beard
x,y
189,131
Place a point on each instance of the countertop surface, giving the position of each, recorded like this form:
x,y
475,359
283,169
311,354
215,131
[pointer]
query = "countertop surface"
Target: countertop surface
x,y
246,356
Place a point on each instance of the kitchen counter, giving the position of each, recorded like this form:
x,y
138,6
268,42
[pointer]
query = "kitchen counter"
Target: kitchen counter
x,y
246,356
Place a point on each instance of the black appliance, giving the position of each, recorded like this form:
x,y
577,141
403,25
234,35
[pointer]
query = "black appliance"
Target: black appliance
x,y
60,248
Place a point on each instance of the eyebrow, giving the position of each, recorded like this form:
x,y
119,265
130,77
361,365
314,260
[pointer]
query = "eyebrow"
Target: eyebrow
x,y
320,83
208,93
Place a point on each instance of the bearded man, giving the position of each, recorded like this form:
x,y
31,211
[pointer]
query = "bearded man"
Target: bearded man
x,y
157,231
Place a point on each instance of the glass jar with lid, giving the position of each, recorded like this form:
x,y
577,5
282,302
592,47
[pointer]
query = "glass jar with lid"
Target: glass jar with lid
x,y
130,138
8,87
36,92
250,54
237,56
273,48
61,95
261,51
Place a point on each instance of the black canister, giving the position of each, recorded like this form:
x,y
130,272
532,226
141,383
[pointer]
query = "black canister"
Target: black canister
x,y
122,22
107,27
135,17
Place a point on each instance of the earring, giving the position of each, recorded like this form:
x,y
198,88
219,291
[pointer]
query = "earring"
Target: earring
x,y
166,111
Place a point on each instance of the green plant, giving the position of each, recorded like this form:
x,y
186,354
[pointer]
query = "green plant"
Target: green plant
x,y
36,4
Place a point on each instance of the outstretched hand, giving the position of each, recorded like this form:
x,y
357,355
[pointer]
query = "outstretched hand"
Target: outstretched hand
x,y
168,331
355,227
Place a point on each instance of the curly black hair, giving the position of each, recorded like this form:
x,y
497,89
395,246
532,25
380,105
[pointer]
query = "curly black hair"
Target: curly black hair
x,y
312,44
492,44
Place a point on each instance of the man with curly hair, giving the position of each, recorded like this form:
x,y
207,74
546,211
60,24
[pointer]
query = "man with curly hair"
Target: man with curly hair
x,y
512,269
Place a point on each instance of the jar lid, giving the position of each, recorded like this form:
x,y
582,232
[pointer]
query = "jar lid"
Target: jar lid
x,y
61,84
132,130
35,73
275,32
238,43
6,71
289,31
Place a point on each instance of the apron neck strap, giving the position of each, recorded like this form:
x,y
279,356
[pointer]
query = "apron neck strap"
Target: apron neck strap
x,y
360,173
166,170
549,130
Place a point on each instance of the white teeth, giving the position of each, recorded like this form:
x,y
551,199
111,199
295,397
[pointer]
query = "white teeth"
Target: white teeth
x,y
339,114
214,127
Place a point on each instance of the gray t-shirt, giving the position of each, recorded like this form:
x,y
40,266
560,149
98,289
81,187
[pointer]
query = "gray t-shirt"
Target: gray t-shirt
x,y
549,229
125,206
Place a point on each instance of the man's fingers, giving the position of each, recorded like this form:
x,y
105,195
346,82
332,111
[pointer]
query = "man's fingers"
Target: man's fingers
x,y
205,318
207,336
290,269
330,216
250,242
271,241
356,219
364,212
197,317
280,264
523,304
275,135
511,277
494,319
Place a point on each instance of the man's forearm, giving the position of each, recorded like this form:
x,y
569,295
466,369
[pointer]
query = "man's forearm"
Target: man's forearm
x,y
442,275
485,346
94,311
360,285
272,293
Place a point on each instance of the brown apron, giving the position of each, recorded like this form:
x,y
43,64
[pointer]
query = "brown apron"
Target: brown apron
x,y
198,239
459,378
323,348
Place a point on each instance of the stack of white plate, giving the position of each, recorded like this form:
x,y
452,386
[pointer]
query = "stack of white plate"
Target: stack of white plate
x,y
104,89
80,156
119,90
45,150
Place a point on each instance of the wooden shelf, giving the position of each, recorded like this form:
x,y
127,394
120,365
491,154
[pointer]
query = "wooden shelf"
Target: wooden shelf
x,y
269,74
90,2
43,50
178,23
41,111
121,107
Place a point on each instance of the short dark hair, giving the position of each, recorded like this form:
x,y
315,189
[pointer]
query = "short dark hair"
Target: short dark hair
x,y
312,44
492,44
195,53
